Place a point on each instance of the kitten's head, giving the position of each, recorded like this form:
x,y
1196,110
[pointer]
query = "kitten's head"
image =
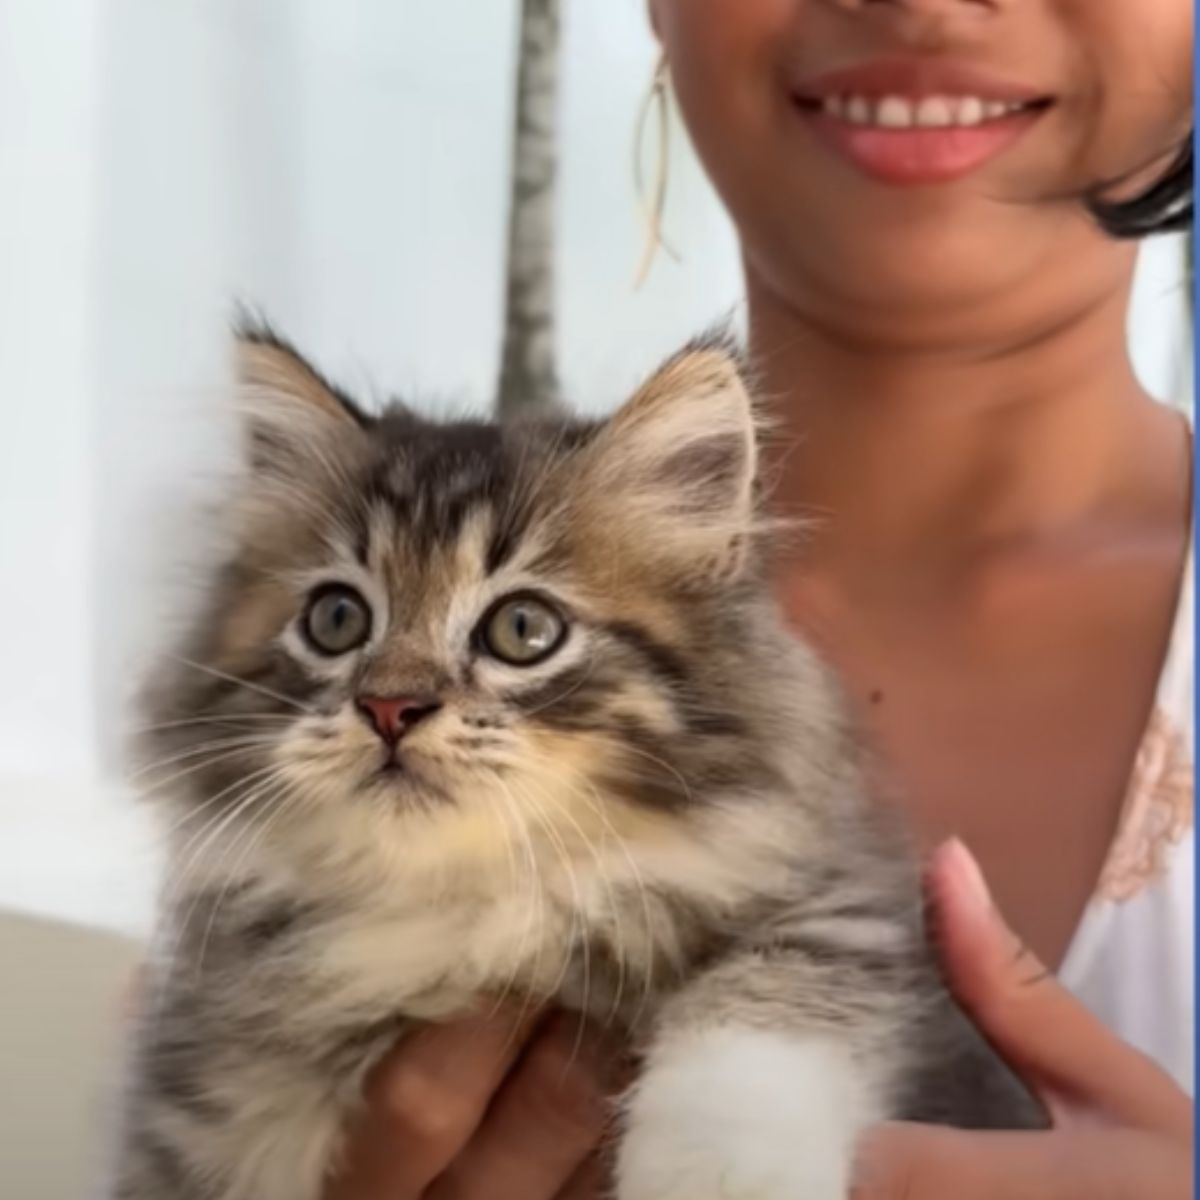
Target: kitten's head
x,y
438,641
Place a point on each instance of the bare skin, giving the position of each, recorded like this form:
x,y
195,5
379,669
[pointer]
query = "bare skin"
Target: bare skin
x,y
995,576
999,511
1000,535
487,1108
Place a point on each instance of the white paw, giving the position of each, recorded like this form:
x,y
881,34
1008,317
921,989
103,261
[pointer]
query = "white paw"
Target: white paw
x,y
743,1114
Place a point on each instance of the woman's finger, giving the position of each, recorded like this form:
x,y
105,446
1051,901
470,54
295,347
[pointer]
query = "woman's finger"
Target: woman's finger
x,y
1057,1045
424,1102
543,1124
918,1162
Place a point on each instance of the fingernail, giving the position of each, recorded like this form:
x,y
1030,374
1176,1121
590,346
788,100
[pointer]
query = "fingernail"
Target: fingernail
x,y
969,878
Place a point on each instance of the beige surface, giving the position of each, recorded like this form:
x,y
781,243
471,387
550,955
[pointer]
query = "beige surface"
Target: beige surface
x,y
61,990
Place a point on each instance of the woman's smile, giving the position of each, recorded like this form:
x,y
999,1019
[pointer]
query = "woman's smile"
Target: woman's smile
x,y
917,121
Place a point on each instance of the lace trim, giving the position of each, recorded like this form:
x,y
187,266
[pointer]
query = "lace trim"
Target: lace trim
x,y
1158,811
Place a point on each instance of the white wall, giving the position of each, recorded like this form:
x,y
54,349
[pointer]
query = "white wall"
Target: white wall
x,y
47,159
344,165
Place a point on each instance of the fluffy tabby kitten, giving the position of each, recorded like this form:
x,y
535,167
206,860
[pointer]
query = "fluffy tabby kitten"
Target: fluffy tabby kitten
x,y
476,710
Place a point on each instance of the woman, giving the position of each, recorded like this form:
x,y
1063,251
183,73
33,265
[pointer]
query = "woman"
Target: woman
x,y
938,263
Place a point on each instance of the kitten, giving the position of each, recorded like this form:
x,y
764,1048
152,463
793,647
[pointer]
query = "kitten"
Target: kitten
x,y
479,709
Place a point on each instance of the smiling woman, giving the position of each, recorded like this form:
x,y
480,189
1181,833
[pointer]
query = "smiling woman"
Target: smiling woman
x,y
1109,94
953,345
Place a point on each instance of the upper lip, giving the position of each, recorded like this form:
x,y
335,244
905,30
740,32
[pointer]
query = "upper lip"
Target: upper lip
x,y
915,78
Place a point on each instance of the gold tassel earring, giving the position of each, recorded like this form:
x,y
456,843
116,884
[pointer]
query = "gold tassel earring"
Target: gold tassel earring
x,y
653,202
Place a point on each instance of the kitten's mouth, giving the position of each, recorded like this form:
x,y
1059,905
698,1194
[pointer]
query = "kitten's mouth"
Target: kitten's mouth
x,y
395,770
397,781
392,767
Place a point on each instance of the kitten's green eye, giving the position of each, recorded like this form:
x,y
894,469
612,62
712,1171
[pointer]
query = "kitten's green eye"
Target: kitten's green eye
x,y
522,631
337,619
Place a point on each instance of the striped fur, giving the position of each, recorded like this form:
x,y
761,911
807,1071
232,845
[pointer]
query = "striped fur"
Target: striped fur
x,y
663,825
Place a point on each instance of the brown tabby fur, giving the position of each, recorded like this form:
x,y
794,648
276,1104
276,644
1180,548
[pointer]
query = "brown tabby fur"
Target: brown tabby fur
x,y
663,826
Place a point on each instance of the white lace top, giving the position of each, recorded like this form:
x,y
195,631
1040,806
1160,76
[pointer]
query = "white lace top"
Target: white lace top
x,y
1132,958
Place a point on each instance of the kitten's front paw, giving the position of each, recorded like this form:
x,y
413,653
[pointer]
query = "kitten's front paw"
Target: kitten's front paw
x,y
742,1114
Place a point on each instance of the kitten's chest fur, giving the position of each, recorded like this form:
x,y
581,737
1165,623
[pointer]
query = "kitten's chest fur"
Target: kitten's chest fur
x,y
606,949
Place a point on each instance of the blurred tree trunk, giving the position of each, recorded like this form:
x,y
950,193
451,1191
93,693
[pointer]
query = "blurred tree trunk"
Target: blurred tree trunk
x,y
528,378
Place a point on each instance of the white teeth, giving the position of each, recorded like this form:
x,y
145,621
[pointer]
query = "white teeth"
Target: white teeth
x,y
935,112
858,111
894,113
930,112
970,111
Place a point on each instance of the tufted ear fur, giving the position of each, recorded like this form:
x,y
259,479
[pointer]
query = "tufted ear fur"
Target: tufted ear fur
x,y
291,416
679,462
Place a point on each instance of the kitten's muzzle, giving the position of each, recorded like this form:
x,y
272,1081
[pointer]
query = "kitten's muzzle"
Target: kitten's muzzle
x,y
393,717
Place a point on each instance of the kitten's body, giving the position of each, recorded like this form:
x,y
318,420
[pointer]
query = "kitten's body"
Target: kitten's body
x,y
664,826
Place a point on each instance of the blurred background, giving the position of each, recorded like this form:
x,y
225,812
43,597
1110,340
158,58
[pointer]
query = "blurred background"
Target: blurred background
x,y
347,166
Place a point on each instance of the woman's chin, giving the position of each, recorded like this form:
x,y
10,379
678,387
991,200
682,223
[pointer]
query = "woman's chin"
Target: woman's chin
x,y
866,286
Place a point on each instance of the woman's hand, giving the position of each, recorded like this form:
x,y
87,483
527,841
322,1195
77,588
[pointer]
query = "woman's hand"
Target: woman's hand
x,y
1122,1129
482,1109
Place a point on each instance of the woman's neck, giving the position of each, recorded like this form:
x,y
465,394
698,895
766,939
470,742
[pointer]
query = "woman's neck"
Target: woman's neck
x,y
936,459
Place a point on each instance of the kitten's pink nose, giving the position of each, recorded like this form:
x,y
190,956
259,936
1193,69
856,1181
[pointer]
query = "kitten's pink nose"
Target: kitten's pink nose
x,y
393,716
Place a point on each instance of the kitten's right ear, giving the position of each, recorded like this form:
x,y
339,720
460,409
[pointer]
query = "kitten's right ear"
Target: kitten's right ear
x,y
289,413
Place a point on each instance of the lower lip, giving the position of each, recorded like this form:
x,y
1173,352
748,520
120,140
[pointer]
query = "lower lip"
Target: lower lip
x,y
911,157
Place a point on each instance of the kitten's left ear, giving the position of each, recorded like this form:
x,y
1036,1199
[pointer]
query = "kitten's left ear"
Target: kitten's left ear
x,y
676,465
290,414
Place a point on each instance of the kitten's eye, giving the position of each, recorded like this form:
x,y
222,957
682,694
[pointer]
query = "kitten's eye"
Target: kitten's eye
x,y
337,620
522,631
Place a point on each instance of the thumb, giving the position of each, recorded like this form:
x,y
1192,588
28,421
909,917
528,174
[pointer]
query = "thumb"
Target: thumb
x,y
1058,1046
917,1162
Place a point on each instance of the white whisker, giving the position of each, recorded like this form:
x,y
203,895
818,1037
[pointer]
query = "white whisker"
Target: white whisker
x,y
596,805
242,742
512,822
563,695
208,802
539,897
555,837
273,806
253,687
207,837
683,783
231,719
